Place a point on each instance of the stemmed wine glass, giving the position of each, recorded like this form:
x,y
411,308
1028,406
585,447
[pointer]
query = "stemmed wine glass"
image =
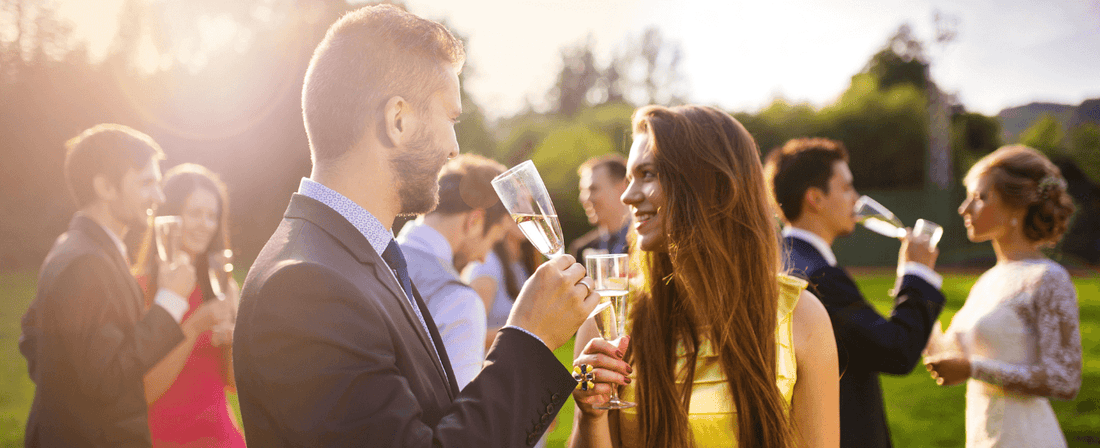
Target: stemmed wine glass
x,y
524,195
879,219
610,273
167,230
221,270
221,273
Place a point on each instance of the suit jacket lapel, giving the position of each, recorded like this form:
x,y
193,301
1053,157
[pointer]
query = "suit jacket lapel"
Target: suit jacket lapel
x,y
98,235
439,347
327,219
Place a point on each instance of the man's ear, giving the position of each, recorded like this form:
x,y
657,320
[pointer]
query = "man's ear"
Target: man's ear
x,y
812,200
104,189
475,221
397,118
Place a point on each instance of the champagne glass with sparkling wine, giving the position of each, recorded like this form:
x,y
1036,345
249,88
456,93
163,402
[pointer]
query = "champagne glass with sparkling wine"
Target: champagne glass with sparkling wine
x,y
610,273
168,231
221,273
524,195
877,218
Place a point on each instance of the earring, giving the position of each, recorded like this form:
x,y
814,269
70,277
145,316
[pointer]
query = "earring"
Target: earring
x,y
1014,222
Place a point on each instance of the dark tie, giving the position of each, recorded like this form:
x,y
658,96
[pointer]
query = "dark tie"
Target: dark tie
x,y
396,259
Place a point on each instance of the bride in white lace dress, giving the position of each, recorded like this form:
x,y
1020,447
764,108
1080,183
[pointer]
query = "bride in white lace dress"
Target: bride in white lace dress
x,y
1016,340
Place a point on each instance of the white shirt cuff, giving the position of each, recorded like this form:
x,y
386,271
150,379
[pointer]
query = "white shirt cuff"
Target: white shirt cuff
x,y
528,333
924,272
172,303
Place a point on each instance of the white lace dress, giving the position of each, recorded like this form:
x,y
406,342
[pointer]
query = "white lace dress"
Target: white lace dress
x,y
1020,330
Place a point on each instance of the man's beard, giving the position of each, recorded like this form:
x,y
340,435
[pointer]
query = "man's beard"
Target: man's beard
x,y
417,174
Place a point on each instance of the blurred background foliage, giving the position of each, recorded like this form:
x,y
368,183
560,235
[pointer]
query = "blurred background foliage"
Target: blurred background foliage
x,y
230,100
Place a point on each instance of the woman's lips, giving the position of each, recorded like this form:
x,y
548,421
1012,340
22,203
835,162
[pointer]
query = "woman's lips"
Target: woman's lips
x,y
641,219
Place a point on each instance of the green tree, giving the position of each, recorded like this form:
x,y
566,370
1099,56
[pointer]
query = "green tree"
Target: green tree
x,y
902,61
973,135
576,79
885,131
1045,134
1084,149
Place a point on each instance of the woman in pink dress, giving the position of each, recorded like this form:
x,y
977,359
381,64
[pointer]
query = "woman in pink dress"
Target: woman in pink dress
x,y
186,391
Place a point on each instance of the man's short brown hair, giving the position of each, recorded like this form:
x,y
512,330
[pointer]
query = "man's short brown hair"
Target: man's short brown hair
x,y
107,149
799,164
465,184
367,57
615,165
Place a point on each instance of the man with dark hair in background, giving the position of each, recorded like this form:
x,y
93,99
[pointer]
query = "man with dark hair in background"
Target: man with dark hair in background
x,y
465,225
812,187
334,345
87,336
602,182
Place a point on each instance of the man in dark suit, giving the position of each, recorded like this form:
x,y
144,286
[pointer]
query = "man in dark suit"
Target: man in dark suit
x,y
812,187
87,337
333,344
602,182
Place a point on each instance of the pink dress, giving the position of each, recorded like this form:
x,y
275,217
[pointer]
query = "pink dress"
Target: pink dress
x,y
194,412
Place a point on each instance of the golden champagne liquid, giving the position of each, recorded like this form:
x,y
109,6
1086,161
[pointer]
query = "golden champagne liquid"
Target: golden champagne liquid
x,y
544,231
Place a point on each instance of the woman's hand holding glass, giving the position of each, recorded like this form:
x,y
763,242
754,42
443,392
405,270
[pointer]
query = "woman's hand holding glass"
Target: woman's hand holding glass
x,y
609,372
944,357
223,329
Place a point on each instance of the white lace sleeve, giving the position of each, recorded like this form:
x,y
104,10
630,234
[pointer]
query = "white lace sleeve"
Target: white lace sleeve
x,y
1054,316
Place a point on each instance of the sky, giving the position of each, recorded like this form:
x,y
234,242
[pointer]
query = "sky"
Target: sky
x,y
742,54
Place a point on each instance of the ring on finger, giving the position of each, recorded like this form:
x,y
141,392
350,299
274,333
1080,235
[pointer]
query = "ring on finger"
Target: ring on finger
x,y
589,288
586,380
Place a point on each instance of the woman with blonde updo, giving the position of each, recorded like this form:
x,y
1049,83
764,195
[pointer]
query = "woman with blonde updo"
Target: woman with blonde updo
x,y
1016,340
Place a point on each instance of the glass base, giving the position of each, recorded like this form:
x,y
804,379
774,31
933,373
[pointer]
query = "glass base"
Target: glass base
x,y
615,403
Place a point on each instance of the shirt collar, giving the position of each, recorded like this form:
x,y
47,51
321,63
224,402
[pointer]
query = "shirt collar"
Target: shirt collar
x,y
372,229
420,236
816,241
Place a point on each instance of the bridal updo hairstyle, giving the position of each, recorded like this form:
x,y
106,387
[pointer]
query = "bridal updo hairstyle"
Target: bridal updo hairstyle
x,y
1025,178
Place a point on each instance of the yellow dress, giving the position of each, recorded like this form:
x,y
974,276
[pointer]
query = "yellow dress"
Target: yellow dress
x,y
711,414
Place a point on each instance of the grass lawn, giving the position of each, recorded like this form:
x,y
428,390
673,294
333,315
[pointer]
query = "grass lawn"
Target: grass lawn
x,y
921,414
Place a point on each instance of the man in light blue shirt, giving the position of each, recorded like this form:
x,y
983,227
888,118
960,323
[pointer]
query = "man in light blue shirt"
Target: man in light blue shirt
x,y
465,225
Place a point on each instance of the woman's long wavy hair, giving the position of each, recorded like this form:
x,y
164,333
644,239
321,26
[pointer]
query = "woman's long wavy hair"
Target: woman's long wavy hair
x,y
716,282
179,183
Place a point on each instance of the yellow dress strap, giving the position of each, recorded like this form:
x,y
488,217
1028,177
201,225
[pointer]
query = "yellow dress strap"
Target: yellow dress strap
x,y
786,366
712,414
790,289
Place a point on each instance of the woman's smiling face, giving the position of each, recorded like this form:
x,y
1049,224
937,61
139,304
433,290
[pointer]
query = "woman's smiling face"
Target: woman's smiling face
x,y
644,196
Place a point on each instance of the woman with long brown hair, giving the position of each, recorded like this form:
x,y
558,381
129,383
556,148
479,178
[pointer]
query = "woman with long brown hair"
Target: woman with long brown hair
x,y
186,390
724,350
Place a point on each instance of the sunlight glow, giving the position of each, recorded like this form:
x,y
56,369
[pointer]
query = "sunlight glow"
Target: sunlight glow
x,y
737,54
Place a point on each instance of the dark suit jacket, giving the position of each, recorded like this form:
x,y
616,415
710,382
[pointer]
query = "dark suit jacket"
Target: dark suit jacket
x,y
868,342
328,352
89,342
613,243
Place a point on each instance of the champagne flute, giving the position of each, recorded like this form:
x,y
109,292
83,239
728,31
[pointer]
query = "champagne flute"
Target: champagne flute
x,y
879,219
167,230
930,230
221,272
524,195
610,274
